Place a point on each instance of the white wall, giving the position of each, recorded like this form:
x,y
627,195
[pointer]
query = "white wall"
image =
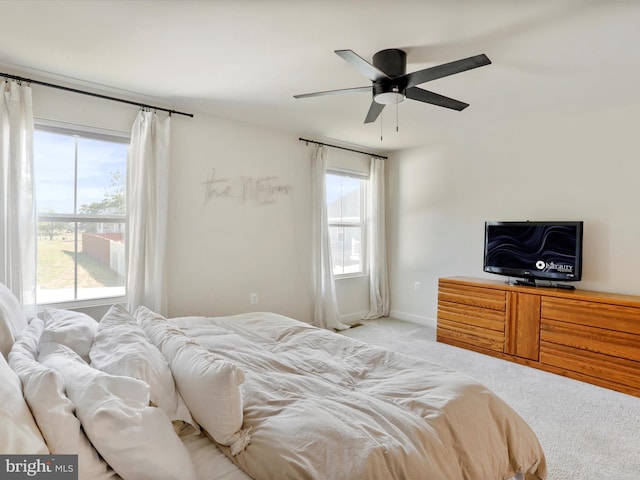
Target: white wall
x,y
580,168
224,249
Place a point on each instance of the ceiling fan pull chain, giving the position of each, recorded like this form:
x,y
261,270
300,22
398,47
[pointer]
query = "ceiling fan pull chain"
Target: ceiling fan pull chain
x,y
397,130
380,126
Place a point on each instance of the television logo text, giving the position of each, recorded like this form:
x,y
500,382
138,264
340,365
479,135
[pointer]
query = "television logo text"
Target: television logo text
x,y
562,268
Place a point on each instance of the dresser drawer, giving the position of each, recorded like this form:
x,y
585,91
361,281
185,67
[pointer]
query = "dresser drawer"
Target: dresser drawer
x,y
473,296
596,365
456,333
598,340
601,315
471,315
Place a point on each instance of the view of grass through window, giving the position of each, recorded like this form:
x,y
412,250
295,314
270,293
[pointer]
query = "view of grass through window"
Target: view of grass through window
x,y
80,198
56,261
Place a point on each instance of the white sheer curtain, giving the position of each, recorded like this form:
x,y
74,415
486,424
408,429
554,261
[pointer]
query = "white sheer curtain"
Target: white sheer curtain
x,y
378,279
325,314
17,204
147,201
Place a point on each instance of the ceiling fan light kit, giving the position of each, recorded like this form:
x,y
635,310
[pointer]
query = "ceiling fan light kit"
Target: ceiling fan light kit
x,y
391,83
389,98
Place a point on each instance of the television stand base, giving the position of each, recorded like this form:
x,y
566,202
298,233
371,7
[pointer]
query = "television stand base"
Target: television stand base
x,y
563,285
524,282
532,283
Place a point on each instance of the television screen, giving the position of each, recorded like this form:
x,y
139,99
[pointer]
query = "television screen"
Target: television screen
x,y
534,250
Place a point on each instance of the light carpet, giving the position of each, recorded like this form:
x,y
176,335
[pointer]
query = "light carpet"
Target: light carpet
x,y
587,432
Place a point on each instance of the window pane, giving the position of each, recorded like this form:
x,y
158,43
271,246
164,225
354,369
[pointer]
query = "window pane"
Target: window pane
x,y
101,260
346,249
77,176
343,198
54,165
100,255
101,173
351,199
56,257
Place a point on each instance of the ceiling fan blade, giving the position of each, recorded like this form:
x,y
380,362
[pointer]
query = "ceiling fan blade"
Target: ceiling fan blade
x,y
446,69
374,110
372,73
332,92
415,93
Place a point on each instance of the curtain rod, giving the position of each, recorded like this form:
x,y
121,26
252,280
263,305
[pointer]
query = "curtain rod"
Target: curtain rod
x,y
84,92
342,148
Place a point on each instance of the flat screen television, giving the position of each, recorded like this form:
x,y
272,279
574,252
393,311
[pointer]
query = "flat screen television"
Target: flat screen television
x,y
530,251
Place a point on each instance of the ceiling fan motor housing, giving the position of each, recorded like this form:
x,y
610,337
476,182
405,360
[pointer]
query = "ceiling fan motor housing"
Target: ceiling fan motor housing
x,y
393,62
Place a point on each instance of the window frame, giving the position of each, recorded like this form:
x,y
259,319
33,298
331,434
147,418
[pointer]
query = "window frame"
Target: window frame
x,y
362,224
92,133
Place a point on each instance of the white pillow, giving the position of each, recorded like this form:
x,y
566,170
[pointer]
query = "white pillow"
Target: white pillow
x,y
156,327
137,440
12,319
209,384
29,339
44,391
121,347
19,433
71,329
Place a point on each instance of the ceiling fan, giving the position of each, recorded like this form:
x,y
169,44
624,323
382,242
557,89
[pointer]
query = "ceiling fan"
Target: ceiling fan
x,y
391,83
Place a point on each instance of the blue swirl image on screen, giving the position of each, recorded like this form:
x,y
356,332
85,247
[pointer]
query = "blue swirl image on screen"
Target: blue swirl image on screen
x,y
540,248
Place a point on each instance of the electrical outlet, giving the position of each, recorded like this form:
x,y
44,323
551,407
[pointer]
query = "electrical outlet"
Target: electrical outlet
x,y
417,286
253,298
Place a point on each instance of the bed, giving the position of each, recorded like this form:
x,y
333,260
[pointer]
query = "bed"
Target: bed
x,y
254,395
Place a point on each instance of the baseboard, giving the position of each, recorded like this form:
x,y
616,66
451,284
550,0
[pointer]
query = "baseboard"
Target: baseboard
x,y
413,318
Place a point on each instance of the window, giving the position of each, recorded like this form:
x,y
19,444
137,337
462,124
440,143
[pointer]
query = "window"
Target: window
x,y
346,214
80,179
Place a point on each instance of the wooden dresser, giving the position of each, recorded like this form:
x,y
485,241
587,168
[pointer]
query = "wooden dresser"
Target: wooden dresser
x,y
585,335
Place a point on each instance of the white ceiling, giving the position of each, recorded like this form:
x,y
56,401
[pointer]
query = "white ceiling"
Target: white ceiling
x,y
245,59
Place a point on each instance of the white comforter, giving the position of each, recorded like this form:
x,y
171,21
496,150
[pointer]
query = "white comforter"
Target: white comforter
x,y
324,406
